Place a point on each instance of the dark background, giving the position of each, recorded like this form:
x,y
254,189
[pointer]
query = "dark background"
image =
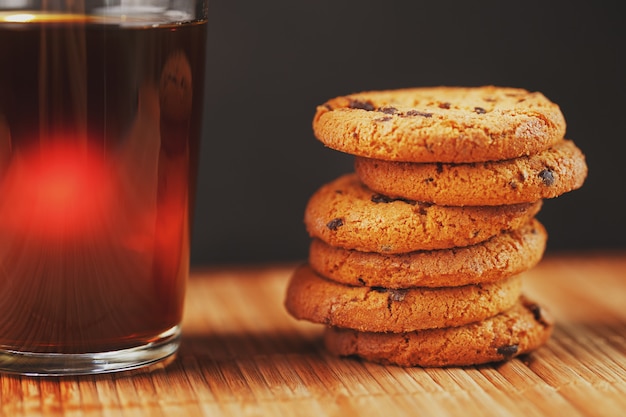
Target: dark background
x,y
271,62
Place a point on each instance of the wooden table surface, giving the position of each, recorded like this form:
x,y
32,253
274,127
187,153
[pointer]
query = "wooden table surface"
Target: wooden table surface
x,y
242,354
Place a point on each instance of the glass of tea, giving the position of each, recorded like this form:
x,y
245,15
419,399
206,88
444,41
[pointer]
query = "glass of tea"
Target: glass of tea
x,y
100,122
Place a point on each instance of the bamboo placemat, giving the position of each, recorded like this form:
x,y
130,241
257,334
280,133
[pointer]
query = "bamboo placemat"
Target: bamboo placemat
x,y
242,355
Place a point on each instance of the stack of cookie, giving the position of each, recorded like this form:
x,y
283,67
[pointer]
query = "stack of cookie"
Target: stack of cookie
x,y
416,257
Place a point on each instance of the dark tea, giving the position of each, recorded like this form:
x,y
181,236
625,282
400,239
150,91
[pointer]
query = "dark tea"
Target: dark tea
x,y
100,121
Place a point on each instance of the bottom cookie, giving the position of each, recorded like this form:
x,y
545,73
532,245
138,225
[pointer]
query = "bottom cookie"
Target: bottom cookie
x,y
521,329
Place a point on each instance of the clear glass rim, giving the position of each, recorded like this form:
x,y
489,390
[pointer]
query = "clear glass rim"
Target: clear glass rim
x,y
129,14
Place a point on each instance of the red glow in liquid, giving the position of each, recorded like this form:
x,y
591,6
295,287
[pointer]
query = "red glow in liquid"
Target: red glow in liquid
x,y
55,192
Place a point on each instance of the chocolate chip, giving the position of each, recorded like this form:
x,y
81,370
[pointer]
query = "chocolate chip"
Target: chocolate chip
x,y
536,312
361,281
445,105
388,110
334,224
429,180
418,113
381,198
547,176
480,110
363,105
537,315
508,351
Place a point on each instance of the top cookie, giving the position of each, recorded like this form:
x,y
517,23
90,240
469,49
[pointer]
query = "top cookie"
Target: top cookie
x,y
440,124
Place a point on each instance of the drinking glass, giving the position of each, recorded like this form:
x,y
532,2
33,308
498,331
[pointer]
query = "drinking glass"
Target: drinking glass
x,y
100,123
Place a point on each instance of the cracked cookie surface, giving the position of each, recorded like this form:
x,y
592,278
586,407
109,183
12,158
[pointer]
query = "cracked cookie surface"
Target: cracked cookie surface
x,y
440,124
314,298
